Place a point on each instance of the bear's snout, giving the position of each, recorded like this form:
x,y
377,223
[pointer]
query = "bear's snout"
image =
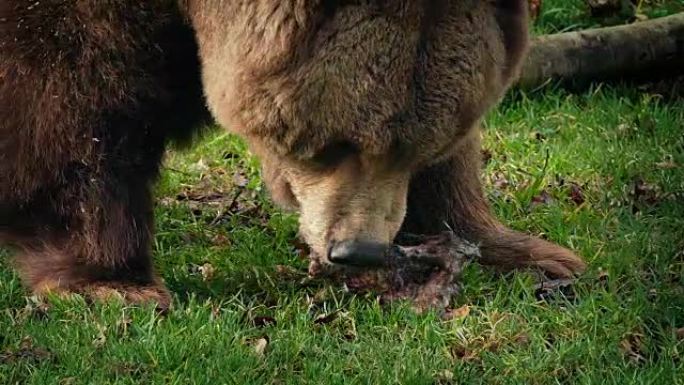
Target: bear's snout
x,y
358,253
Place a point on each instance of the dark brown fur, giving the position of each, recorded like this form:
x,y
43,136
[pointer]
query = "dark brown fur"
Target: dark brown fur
x,y
90,93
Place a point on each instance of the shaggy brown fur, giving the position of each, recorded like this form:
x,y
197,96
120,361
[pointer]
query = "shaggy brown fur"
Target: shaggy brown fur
x,y
353,106
90,92
364,114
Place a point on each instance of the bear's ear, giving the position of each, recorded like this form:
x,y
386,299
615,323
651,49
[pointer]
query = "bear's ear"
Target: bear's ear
x,y
512,17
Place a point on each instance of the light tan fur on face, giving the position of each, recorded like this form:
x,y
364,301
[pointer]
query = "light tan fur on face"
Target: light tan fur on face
x,y
360,199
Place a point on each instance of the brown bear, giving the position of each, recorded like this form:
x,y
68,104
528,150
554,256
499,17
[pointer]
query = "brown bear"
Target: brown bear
x,y
364,115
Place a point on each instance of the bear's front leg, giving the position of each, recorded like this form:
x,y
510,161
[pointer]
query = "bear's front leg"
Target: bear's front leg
x,y
449,195
97,246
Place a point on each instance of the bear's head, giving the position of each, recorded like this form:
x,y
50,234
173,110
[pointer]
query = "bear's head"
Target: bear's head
x,y
343,101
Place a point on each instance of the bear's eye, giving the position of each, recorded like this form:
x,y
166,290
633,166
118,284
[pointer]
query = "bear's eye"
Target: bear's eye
x,y
334,153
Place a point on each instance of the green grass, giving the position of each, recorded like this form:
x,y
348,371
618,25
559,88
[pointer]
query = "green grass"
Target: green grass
x,y
618,327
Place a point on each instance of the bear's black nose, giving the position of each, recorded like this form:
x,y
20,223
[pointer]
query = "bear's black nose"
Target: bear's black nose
x,y
358,253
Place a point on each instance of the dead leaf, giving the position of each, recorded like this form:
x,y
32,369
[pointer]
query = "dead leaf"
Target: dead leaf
x,y
285,270
208,271
445,376
460,313
324,319
220,240
36,307
499,180
101,338
604,7
640,17
301,248
350,333
123,324
259,346
215,312
200,166
667,164
632,347
340,321
486,156
548,290
263,321
27,352
644,194
543,198
289,273
127,368
535,7
538,136
680,334
576,194
240,180
230,155
522,339
463,353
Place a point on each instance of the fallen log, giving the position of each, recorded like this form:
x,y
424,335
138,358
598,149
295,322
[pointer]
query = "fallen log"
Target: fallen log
x,y
648,49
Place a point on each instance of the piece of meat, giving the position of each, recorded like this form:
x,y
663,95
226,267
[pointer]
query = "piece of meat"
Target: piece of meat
x,y
424,272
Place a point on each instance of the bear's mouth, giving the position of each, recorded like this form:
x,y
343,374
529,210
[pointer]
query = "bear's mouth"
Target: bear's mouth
x,y
425,273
